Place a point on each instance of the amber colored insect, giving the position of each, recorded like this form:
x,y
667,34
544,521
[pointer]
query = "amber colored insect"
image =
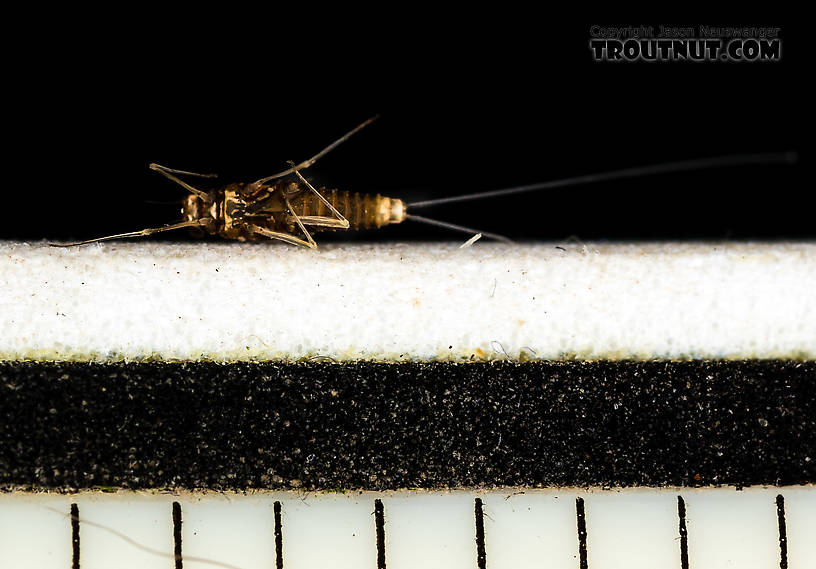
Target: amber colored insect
x,y
286,207
275,207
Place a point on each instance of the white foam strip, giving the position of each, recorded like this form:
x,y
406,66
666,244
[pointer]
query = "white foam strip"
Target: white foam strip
x,y
232,301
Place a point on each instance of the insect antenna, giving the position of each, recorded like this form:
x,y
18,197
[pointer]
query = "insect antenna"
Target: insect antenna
x,y
635,172
142,233
168,172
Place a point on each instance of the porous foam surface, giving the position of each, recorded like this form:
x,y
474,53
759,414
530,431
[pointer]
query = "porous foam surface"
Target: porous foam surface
x,y
396,301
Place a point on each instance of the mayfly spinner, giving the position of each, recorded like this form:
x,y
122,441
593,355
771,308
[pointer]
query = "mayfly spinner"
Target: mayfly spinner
x,y
286,207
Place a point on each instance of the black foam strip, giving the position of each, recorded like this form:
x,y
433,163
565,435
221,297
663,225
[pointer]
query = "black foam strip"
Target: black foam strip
x,y
384,426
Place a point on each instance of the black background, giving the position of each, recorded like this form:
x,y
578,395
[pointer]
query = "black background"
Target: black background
x,y
466,103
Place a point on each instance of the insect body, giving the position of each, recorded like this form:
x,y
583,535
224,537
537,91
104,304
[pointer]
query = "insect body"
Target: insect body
x,y
288,211
286,207
274,207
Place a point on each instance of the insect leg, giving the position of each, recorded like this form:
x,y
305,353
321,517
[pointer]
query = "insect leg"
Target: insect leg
x,y
299,222
282,237
319,219
142,233
306,163
168,172
310,243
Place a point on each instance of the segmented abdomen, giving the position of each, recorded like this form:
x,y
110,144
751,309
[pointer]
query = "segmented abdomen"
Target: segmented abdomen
x,y
363,211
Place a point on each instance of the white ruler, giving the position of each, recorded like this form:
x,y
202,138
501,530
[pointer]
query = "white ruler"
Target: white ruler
x,y
512,528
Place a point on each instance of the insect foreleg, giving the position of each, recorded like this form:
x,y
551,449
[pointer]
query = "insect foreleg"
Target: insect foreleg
x,y
142,233
168,172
